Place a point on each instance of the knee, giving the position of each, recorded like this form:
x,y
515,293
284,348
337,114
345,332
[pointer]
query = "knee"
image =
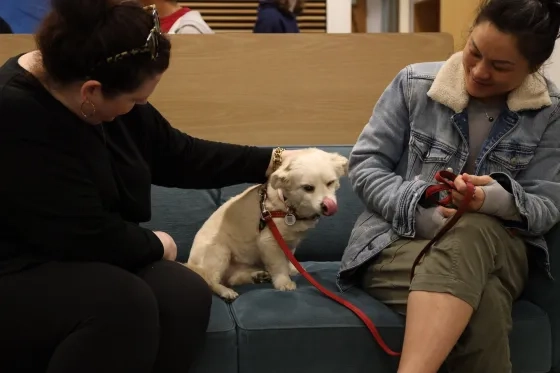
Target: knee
x,y
179,290
475,223
479,233
124,304
195,289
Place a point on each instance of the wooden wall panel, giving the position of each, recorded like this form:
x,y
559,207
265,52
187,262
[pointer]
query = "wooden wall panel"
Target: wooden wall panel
x,y
278,89
240,16
457,18
427,16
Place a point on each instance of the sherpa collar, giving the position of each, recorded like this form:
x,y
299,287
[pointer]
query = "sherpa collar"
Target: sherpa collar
x,y
449,89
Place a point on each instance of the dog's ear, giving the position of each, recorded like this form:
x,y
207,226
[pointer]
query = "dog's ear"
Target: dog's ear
x,y
340,164
280,178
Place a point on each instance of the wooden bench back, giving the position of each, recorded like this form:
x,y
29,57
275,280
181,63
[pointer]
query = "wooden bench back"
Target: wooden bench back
x,y
293,89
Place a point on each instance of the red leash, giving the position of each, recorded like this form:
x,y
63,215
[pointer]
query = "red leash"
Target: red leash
x,y
276,233
446,178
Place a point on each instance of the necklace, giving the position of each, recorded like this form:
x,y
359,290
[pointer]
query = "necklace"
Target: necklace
x,y
490,118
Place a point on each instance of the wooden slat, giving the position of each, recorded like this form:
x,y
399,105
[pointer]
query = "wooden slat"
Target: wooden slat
x,y
308,12
253,18
234,16
233,4
243,31
226,30
242,4
249,25
306,89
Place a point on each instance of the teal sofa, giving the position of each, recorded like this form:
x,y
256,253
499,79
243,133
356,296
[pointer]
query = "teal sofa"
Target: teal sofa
x,y
268,331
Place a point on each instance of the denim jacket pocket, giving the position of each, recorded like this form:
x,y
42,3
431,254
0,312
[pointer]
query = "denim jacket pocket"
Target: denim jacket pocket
x,y
361,225
427,156
363,218
362,236
510,158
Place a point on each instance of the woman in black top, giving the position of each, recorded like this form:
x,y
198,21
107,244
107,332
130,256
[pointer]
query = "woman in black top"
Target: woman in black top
x,y
83,287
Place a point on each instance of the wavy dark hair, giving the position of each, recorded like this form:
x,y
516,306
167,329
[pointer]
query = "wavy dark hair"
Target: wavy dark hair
x,y
78,36
534,23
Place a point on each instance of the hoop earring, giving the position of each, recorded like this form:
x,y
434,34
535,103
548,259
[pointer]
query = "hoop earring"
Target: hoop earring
x,y
84,114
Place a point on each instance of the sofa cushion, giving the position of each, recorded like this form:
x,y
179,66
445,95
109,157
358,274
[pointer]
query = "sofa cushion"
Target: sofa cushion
x,y
530,340
221,341
279,331
181,213
303,328
545,292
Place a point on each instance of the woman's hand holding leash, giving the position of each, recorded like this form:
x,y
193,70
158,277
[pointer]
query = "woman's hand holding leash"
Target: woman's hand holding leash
x,y
461,188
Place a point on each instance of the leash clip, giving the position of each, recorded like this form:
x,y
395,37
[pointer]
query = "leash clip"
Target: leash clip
x,y
265,214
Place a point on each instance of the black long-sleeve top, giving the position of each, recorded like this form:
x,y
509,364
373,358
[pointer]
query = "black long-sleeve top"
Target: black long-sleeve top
x,y
74,191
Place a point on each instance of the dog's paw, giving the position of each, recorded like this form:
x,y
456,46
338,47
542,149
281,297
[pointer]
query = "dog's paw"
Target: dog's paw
x,y
260,277
228,295
286,286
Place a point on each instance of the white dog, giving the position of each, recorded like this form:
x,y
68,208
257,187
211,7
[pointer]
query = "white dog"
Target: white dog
x,y
235,247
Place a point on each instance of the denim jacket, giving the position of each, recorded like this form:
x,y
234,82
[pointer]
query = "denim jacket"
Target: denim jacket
x,y
420,126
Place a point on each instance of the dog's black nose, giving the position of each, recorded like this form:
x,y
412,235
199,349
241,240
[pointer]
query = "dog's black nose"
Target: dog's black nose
x,y
324,207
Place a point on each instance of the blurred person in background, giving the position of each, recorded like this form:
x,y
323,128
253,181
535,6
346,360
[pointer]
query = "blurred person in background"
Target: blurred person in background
x,y
278,16
23,16
177,19
5,27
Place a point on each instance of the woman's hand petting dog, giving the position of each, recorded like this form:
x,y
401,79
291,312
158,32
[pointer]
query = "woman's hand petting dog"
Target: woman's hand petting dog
x,y
286,156
459,194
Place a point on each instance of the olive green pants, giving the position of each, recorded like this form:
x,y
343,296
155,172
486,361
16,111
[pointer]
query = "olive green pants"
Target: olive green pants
x,y
478,261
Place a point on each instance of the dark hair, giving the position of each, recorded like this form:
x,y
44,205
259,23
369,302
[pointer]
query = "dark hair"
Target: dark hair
x,y
534,23
5,27
78,36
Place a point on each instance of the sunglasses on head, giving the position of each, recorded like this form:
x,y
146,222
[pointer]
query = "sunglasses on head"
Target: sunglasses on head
x,y
151,45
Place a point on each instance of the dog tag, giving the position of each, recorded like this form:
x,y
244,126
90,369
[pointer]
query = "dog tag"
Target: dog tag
x,y
290,219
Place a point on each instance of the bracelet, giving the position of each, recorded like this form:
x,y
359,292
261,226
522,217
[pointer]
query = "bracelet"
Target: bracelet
x,y
277,158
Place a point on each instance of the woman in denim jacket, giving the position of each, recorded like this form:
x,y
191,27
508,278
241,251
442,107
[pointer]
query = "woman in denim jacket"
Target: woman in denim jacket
x,y
487,114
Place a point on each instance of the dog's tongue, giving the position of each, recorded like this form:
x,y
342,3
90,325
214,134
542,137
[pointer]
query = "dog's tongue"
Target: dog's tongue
x,y
329,207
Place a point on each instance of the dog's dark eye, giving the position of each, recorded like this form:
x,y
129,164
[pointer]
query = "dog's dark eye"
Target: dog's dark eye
x,y
308,188
330,183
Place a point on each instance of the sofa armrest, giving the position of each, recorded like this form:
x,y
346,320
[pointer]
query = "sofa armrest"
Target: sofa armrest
x,y
545,293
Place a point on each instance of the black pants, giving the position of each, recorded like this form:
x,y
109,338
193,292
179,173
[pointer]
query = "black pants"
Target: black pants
x,y
94,317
